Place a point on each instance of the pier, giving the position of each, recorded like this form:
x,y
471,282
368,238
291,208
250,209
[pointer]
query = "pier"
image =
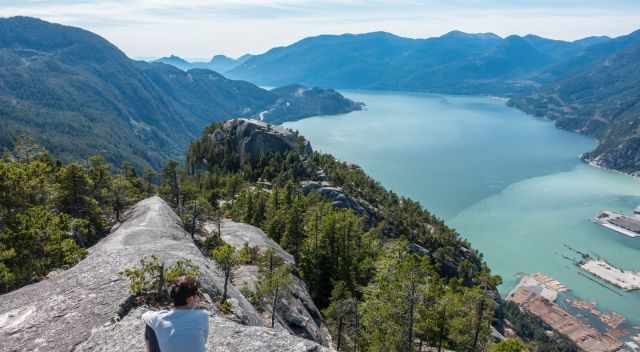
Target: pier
x,y
626,280
625,225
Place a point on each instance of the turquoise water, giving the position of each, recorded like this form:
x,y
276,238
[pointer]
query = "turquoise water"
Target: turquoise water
x,y
511,184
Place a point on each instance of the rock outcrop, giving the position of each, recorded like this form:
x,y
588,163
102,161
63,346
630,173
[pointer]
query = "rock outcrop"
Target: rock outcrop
x,y
339,198
253,138
296,312
75,310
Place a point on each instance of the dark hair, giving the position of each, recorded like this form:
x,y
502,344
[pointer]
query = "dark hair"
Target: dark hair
x,y
182,288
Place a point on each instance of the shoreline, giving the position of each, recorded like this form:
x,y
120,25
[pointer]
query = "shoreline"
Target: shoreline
x,y
604,168
590,162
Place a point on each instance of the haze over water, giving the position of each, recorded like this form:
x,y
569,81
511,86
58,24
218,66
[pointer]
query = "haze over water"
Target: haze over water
x,y
510,183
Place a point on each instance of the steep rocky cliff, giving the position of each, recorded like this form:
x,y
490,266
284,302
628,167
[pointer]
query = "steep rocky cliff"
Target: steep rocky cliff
x,y
297,312
77,309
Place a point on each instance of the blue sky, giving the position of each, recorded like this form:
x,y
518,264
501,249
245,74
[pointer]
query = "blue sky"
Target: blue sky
x,y
201,28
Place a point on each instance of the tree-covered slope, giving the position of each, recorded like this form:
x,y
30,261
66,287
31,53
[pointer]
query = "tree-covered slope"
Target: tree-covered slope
x,y
78,95
456,62
600,97
389,275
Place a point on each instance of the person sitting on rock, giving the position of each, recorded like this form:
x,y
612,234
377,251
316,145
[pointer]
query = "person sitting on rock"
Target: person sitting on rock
x,y
184,328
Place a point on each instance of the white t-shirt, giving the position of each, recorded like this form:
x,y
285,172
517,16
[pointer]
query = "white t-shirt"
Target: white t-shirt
x,y
179,330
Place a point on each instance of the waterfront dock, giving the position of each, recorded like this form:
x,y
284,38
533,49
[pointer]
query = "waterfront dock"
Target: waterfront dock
x,y
626,280
625,225
536,294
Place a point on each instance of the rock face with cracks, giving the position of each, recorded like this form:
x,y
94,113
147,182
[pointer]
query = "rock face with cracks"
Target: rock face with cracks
x,y
296,311
75,310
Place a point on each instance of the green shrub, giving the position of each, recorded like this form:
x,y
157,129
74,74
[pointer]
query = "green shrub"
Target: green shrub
x,y
183,267
254,298
249,255
225,307
146,277
150,279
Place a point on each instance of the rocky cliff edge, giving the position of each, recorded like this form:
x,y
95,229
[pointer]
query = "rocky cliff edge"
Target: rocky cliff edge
x,y
76,310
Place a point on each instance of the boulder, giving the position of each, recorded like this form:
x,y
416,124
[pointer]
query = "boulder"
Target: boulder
x,y
237,234
339,198
76,309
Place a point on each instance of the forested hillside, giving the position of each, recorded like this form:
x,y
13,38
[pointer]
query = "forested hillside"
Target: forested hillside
x,y
600,97
386,271
50,213
78,95
387,274
456,63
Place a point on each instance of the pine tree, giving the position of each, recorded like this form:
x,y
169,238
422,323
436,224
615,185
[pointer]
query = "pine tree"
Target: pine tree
x,y
275,278
227,258
294,230
99,174
196,213
73,190
119,195
342,317
148,175
170,184
392,299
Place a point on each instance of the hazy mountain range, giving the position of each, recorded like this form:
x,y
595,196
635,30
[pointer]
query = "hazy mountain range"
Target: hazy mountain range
x,y
79,95
218,63
457,62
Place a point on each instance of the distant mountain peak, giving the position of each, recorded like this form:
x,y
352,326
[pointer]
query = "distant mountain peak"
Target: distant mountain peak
x,y
223,59
173,58
461,34
379,34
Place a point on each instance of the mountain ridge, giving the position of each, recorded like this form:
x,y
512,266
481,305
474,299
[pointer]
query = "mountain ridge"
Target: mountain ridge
x,y
87,312
78,95
219,63
454,63
599,98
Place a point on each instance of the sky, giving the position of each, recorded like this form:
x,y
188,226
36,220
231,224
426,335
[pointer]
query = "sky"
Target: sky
x,y
202,28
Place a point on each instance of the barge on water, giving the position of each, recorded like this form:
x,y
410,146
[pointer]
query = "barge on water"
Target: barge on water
x,y
626,225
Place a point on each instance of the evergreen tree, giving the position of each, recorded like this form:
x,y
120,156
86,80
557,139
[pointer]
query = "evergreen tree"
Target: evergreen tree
x,y
99,174
227,258
391,300
170,186
148,176
195,215
342,318
119,196
73,191
275,278
294,229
